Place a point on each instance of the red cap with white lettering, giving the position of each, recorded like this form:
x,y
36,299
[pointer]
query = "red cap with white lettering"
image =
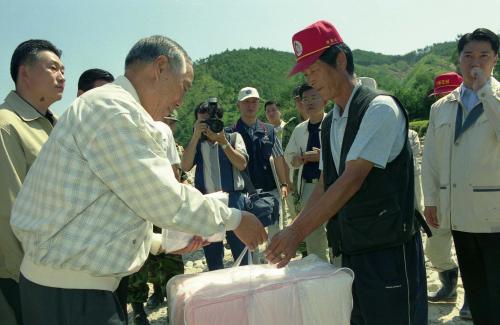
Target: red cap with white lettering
x,y
445,83
311,42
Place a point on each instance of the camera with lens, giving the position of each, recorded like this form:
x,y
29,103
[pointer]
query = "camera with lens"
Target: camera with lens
x,y
214,110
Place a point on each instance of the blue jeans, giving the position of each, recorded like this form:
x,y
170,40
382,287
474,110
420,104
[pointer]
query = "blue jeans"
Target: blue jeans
x,y
214,253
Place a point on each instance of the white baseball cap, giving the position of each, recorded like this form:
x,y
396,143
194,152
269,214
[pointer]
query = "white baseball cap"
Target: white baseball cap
x,y
248,92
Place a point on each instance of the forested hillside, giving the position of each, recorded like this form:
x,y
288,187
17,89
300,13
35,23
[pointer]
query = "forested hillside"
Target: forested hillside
x,y
409,76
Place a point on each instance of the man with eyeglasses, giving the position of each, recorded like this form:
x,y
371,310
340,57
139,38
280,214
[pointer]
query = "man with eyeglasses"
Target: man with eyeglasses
x,y
302,153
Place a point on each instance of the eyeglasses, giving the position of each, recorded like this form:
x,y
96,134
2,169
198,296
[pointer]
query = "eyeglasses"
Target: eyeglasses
x,y
203,110
312,99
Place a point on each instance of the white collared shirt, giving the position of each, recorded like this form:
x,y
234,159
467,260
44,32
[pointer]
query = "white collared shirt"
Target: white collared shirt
x,y
468,97
381,135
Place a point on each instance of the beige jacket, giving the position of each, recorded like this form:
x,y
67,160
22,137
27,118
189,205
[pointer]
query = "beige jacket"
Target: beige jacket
x,y
463,179
23,131
417,172
296,146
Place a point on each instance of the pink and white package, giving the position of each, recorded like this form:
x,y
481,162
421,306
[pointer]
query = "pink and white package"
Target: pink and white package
x,y
307,291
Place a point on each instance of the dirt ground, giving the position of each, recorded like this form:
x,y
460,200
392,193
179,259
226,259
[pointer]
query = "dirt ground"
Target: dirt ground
x,y
438,313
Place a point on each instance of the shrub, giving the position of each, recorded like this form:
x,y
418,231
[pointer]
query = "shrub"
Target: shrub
x,y
420,126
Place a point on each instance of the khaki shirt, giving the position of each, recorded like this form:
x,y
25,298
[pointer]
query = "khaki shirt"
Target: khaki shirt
x,y
23,131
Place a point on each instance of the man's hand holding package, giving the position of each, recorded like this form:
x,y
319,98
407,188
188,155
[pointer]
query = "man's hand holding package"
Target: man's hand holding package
x,y
250,231
283,246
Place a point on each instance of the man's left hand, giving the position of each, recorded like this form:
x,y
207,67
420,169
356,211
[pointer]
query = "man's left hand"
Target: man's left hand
x,y
283,246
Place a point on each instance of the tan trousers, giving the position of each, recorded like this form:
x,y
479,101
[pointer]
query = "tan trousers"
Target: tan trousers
x,y
438,250
316,242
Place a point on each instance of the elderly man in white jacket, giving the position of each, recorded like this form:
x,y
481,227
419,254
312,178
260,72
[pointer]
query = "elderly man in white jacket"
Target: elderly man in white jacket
x,y
302,153
461,172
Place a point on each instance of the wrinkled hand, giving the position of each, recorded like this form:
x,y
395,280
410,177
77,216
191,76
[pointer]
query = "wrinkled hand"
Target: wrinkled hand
x,y
480,78
430,213
196,243
283,246
250,231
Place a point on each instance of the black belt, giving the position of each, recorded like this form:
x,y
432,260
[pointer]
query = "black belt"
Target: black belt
x,y
311,181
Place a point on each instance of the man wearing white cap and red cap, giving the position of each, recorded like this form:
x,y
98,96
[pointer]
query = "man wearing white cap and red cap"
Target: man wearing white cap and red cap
x,y
365,191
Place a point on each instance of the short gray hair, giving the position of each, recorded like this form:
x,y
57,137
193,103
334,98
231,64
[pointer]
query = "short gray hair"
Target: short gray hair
x,y
149,48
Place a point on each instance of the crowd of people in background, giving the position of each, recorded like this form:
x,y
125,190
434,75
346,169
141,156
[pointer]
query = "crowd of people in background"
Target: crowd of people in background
x,y
83,227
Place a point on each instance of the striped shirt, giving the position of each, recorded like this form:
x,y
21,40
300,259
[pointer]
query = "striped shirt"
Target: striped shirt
x,y
84,215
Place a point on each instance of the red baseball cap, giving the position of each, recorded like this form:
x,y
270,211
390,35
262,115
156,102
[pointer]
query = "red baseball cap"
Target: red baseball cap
x,y
311,42
445,83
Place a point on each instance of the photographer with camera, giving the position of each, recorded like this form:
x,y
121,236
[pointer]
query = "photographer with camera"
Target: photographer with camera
x,y
219,157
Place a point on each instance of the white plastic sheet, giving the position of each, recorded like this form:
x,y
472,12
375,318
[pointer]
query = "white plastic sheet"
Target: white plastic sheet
x,y
308,291
173,240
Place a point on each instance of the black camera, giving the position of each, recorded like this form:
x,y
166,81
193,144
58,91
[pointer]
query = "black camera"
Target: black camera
x,y
214,111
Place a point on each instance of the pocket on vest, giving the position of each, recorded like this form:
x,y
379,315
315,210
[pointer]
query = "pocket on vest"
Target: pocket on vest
x,y
370,231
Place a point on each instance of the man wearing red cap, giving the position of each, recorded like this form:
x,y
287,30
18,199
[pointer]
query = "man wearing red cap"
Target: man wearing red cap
x,y
445,83
438,247
461,172
365,191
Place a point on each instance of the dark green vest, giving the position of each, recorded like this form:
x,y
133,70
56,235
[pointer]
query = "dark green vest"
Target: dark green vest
x,y
381,213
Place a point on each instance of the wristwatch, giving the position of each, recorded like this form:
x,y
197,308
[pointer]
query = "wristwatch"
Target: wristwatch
x,y
224,146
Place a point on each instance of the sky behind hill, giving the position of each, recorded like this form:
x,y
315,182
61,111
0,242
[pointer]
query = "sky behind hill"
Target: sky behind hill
x,y
99,33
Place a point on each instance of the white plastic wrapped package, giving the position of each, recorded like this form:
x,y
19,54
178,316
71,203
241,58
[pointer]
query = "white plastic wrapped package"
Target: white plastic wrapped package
x,y
308,291
173,240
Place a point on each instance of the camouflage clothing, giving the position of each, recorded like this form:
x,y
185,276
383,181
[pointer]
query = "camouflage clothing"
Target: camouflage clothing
x,y
158,269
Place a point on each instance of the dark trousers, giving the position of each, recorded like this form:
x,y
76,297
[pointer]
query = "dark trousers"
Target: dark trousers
x,y
390,285
10,290
121,294
214,252
43,305
478,257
